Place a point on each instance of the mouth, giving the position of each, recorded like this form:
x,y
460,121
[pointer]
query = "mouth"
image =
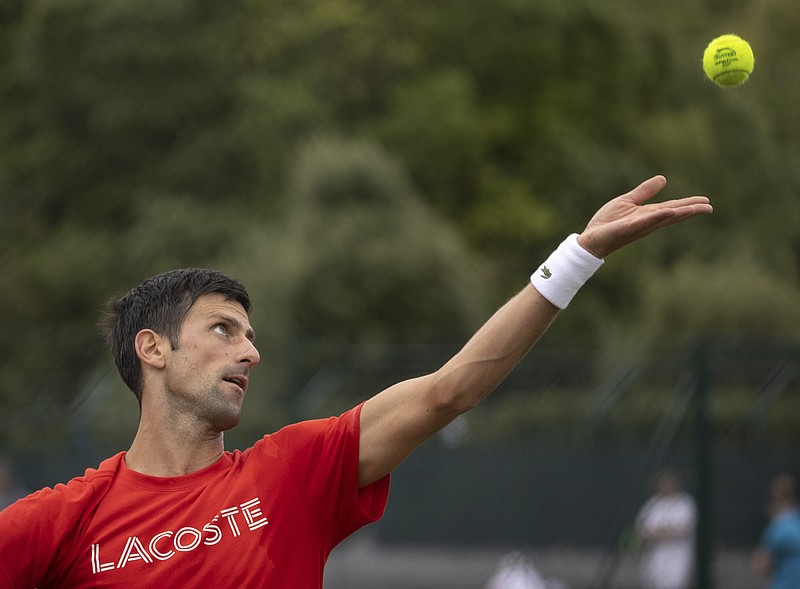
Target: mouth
x,y
239,380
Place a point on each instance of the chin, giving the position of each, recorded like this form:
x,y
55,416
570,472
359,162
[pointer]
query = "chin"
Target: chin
x,y
230,423
226,419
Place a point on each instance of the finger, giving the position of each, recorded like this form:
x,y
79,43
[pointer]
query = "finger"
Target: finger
x,y
663,217
647,189
687,210
701,207
654,217
682,202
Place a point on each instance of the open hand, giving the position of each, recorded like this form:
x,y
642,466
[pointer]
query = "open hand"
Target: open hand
x,y
627,218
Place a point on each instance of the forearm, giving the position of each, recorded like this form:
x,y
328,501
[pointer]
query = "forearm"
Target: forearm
x,y
666,533
402,417
511,332
398,419
490,355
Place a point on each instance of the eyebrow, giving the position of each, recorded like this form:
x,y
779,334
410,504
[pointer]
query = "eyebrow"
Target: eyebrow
x,y
233,322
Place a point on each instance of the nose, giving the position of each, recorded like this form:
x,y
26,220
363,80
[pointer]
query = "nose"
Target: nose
x,y
250,355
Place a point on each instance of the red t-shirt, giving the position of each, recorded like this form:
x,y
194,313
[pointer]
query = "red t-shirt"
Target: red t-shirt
x,y
265,517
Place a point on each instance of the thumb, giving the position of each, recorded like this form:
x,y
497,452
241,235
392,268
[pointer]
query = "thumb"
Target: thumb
x,y
647,189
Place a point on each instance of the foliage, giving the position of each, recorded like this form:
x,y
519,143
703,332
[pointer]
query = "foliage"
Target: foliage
x,y
381,172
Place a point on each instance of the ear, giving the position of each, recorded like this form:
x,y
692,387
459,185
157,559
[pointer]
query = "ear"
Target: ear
x,y
151,348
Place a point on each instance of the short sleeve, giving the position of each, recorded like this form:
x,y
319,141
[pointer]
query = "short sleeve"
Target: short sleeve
x,y
322,457
38,531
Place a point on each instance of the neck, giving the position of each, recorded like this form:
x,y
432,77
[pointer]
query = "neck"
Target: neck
x,y
173,449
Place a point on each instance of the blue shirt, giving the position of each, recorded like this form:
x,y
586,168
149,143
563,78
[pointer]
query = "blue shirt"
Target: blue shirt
x,y
782,540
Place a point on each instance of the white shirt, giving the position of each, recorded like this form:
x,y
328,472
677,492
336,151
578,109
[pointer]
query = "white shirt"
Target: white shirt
x,y
667,563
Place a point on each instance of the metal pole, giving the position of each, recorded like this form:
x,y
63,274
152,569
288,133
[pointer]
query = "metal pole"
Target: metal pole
x,y
705,507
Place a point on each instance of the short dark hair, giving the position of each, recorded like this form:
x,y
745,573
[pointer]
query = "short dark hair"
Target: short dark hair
x,y
160,303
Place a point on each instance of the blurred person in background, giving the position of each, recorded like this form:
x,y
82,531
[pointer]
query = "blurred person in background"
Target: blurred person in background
x,y
516,571
10,487
778,556
178,510
665,526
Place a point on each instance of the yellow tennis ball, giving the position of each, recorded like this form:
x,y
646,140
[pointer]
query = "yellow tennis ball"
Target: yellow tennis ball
x,y
728,60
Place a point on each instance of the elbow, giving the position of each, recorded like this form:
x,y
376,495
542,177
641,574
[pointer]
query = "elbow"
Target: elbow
x,y
456,406
452,397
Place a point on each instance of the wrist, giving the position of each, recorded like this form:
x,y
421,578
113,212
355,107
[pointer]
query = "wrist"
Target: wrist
x,y
582,241
565,271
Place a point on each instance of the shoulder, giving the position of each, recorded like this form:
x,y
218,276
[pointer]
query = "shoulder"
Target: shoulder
x,y
649,505
687,502
788,521
65,497
310,443
36,526
344,425
780,527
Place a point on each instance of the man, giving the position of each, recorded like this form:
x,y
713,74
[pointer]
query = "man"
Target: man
x,y
778,556
516,571
666,526
177,510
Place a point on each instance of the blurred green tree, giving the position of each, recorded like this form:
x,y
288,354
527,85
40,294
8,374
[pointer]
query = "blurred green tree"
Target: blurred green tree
x,y
470,139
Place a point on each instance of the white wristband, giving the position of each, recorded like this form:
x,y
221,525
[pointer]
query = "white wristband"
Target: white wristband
x,y
565,272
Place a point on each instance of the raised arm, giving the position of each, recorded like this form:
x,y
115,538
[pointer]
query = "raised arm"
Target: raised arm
x,y
397,420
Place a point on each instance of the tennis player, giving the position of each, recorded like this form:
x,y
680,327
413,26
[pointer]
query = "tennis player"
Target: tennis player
x,y
178,510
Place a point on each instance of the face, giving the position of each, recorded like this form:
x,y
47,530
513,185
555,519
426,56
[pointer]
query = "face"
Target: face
x,y
206,376
667,484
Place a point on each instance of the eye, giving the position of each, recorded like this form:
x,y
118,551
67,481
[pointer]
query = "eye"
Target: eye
x,y
220,328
